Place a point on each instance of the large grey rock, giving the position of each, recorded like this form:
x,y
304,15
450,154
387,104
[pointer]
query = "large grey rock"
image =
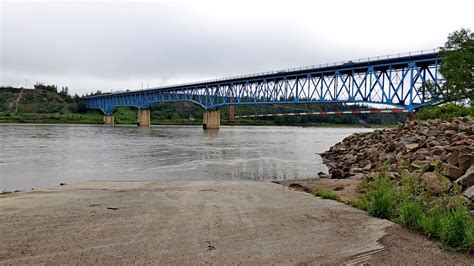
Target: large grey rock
x,y
437,150
349,159
417,144
418,164
336,173
411,146
449,133
355,170
367,167
467,179
452,126
469,193
465,161
399,155
435,184
452,172
324,175
429,132
453,158
466,128
391,147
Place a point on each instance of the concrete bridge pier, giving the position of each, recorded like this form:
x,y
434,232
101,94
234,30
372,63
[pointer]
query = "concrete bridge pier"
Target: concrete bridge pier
x,y
211,119
144,118
109,120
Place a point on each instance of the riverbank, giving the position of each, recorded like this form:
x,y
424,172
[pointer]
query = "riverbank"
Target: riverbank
x,y
345,190
199,222
420,175
95,118
439,153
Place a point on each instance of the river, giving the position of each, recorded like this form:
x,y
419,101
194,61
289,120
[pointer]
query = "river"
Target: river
x,y
34,156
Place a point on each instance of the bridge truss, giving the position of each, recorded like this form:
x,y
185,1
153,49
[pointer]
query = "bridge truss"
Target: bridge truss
x,y
400,81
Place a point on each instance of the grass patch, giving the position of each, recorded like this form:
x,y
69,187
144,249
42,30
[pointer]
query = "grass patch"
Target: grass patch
x,y
411,214
91,117
431,223
456,229
469,238
326,194
380,198
381,204
360,203
407,202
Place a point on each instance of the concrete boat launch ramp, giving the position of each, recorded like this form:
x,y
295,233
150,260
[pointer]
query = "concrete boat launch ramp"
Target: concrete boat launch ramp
x,y
200,222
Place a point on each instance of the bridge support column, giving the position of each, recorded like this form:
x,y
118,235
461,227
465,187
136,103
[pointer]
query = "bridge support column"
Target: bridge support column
x,y
109,120
144,118
211,119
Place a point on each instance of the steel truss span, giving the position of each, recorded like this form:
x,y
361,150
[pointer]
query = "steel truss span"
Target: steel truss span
x,y
397,81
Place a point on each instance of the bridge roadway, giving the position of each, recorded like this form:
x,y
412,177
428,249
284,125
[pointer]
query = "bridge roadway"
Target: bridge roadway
x,y
396,80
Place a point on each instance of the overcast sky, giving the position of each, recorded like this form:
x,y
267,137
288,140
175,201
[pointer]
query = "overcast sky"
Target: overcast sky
x,y
112,45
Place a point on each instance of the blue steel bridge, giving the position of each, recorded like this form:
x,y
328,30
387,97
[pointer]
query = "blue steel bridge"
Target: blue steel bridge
x,y
397,80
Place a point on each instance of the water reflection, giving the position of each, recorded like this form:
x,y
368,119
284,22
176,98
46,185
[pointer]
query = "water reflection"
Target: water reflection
x,y
211,132
45,155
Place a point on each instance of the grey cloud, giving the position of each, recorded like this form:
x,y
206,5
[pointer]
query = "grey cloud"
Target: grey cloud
x,y
109,45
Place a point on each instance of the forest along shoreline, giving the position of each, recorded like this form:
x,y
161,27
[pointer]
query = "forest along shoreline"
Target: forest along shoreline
x,y
420,175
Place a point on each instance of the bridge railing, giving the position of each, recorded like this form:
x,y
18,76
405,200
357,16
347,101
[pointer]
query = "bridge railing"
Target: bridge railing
x,y
283,71
362,60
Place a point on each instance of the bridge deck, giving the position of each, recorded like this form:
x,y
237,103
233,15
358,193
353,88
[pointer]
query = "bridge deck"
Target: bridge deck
x,y
381,63
398,80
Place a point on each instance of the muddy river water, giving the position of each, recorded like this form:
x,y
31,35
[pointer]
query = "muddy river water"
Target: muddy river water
x,y
33,156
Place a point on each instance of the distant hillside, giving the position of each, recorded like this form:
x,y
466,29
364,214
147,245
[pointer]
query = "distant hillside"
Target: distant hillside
x,y
31,101
45,104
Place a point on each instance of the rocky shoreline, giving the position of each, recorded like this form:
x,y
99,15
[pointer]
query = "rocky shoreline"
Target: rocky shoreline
x,y
442,151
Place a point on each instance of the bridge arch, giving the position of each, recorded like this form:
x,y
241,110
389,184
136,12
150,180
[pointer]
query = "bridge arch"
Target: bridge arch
x,y
398,81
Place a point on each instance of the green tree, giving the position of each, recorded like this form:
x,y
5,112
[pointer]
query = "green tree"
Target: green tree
x,y
41,86
81,107
457,67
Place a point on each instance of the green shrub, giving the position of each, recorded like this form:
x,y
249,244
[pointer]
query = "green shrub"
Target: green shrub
x,y
469,238
431,223
382,204
360,203
407,202
326,194
411,186
445,111
380,197
455,226
411,214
